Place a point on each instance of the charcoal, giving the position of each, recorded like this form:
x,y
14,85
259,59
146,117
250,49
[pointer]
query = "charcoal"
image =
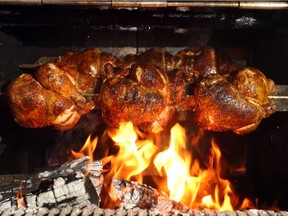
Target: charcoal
x,y
283,213
209,212
95,210
70,184
232,213
198,212
252,212
262,213
241,213
71,190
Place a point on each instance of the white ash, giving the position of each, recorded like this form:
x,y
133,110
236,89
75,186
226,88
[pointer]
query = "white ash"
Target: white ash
x,y
92,209
70,195
68,185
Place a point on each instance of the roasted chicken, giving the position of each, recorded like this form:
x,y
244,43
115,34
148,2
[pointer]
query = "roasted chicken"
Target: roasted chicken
x,y
34,106
91,67
63,78
146,89
238,103
139,93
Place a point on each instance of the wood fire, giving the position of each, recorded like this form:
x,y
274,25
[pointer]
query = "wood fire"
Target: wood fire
x,y
117,184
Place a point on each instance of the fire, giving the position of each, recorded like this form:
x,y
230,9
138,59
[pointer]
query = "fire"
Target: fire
x,y
247,204
185,179
190,183
175,161
87,150
19,197
134,154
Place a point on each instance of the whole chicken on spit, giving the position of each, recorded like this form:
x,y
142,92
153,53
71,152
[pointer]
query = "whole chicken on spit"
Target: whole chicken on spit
x,y
53,96
146,89
236,103
138,93
34,106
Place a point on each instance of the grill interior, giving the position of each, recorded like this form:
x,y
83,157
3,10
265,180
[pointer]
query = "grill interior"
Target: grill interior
x,y
254,37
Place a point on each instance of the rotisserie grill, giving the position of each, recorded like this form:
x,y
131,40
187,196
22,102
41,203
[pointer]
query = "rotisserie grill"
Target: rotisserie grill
x,y
143,107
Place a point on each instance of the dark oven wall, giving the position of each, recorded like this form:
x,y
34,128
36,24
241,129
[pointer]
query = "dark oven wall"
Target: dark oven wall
x,y
251,37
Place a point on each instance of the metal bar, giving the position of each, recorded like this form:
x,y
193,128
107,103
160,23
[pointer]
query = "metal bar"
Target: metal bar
x,y
232,4
280,98
78,2
139,4
20,2
263,5
156,4
205,4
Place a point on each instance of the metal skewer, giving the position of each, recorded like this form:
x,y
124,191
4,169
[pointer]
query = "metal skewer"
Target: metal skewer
x,y
279,98
156,4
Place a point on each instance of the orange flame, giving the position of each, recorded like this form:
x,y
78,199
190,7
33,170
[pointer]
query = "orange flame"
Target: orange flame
x,y
175,161
134,155
87,150
19,197
187,181
248,204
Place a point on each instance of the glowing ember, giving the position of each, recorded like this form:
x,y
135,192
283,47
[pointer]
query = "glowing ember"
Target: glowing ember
x,y
247,204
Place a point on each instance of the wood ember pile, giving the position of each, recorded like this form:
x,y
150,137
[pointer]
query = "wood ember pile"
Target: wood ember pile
x,y
74,189
77,182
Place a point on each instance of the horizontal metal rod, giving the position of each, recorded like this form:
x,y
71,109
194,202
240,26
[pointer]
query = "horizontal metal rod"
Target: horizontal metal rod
x,y
95,94
278,97
232,4
156,4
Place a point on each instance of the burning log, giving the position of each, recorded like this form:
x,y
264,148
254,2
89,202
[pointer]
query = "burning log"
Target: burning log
x,y
141,199
131,194
133,198
75,183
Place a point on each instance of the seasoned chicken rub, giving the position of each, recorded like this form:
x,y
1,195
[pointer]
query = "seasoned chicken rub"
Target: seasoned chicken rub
x,y
236,103
146,89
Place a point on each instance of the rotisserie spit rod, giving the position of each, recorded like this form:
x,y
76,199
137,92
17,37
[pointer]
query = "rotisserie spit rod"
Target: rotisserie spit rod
x,y
279,97
146,89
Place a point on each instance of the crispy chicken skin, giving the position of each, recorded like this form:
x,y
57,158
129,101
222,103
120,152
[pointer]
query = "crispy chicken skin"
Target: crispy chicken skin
x,y
34,106
238,103
62,78
146,89
140,94
211,61
256,86
155,56
90,64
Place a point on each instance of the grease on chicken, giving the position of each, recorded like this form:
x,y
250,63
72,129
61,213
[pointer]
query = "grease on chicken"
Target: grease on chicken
x,y
139,94
146,89
238,103
62,78
34,106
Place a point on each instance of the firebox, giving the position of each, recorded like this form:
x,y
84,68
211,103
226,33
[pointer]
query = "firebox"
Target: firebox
x,y
251,33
